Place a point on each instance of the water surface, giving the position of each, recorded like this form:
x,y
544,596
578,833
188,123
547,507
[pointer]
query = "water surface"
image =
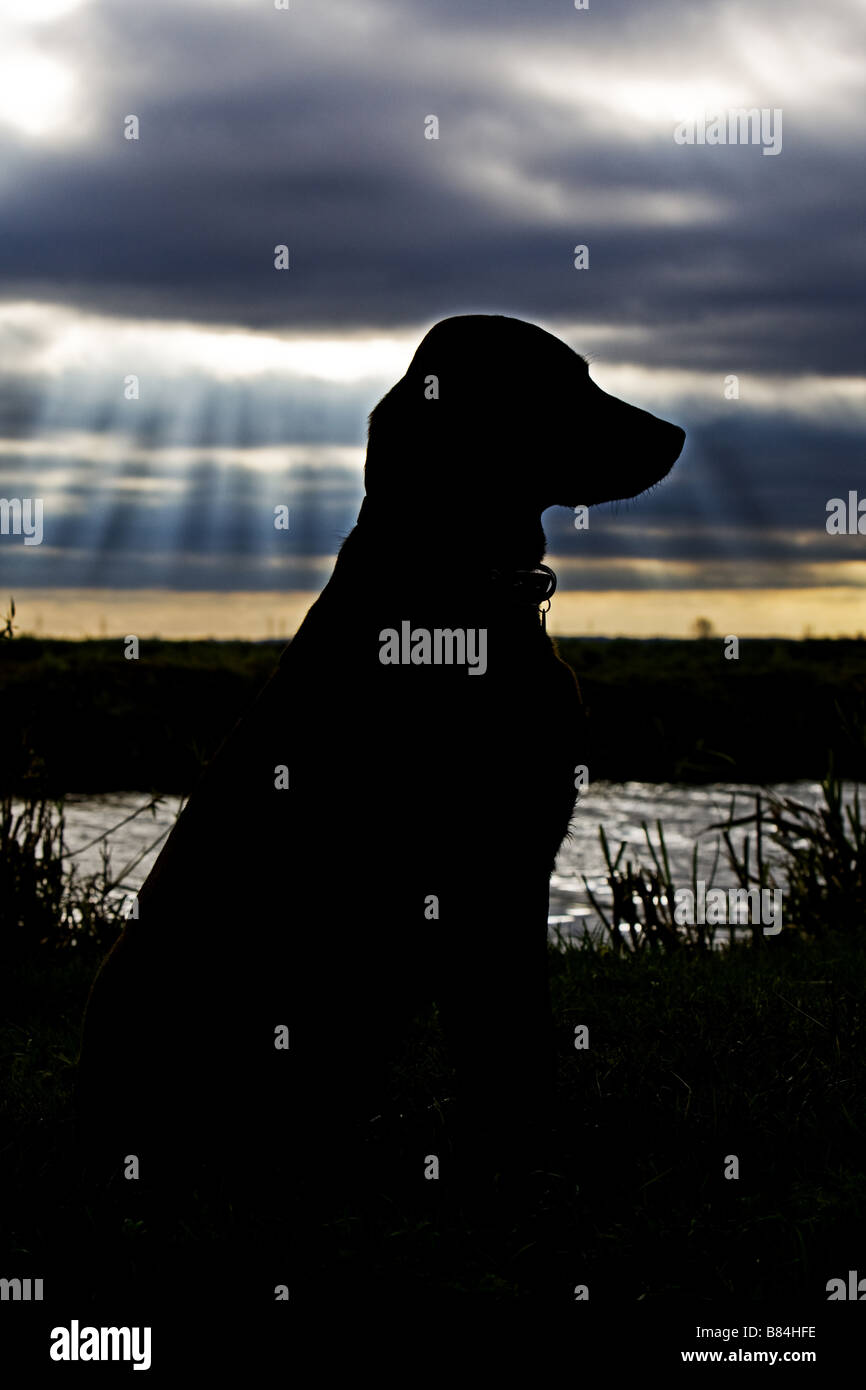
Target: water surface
x,y
685,811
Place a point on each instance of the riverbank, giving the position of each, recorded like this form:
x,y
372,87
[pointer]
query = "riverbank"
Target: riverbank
x,y
658,711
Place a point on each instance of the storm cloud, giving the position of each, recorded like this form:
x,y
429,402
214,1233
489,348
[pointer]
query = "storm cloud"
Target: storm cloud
x,y
307,127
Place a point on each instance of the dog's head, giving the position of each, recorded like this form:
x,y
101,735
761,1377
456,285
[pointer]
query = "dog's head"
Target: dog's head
x,y
491,404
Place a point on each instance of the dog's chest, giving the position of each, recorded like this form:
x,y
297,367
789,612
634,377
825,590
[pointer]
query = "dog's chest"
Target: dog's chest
x,y
494,742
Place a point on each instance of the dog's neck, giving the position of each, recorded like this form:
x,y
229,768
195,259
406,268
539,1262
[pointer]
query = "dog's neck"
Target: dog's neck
x,y
426,538
408,553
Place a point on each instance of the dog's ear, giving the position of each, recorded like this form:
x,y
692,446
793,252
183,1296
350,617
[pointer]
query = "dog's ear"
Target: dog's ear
x,y
401,449
423,450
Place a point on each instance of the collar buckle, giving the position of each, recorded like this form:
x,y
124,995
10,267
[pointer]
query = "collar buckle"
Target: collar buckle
x,y
534,586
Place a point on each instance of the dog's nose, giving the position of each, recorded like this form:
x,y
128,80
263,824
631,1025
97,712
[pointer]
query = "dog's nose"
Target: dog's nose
x,y
663,442
662,447
677,441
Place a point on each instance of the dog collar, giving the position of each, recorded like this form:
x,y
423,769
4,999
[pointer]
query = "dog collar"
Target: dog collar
x,y
536,586
530,586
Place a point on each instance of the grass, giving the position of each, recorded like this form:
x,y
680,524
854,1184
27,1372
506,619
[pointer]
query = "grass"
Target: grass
x,y
821,874
691,1058
694,1055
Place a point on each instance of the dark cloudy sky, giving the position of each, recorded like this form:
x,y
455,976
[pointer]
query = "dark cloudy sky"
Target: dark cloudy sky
x,y
260,126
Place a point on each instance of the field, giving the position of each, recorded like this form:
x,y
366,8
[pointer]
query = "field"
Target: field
x,y
657,711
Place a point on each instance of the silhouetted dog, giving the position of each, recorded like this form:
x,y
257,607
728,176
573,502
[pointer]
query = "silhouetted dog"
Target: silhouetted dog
x,y
428,735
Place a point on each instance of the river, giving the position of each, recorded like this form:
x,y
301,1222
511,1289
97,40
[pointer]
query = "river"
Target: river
x,y
132,837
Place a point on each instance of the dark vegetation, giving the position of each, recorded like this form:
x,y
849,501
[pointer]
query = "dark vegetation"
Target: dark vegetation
x,y
679,712
658,711
691,1058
